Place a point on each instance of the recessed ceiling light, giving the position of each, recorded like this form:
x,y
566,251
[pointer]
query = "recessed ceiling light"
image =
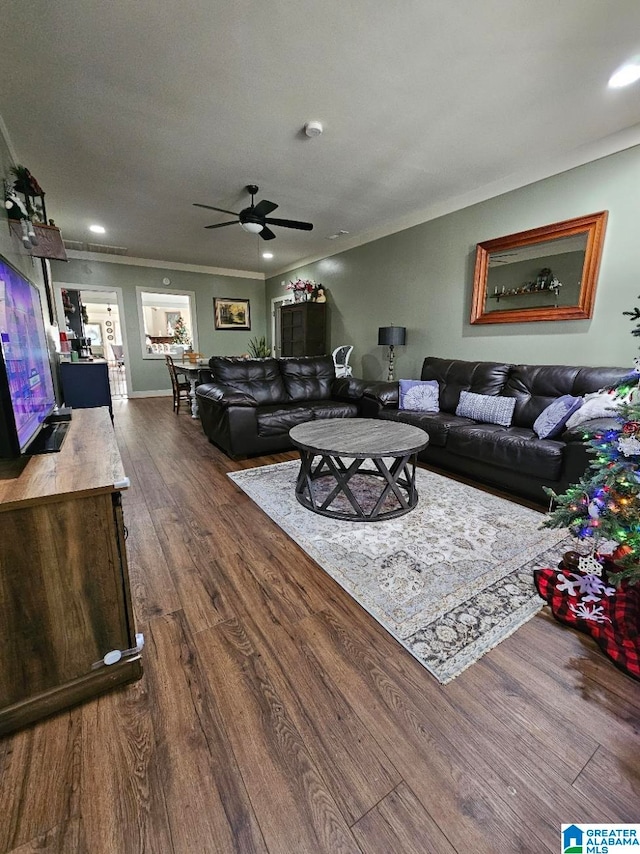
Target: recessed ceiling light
x,y
98,229
267,254
625,75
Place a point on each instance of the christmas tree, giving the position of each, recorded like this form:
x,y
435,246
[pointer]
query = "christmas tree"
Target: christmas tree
x,y
180,332
604,505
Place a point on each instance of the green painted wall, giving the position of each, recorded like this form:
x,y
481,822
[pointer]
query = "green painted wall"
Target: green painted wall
x,y
149,374
422,278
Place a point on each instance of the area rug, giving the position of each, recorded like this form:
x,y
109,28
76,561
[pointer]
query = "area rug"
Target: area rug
x,y
449,580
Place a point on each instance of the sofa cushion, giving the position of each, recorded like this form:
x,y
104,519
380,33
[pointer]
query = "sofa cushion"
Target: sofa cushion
x,y
601,404
420,395
491,408
276,419
436,424
259,378
454,375
332,408
309,378
516,448
535,387
552,419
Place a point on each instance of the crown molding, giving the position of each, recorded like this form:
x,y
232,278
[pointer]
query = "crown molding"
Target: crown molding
x,y
75,255
620,141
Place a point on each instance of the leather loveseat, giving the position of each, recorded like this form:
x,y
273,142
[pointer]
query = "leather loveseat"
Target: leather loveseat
x,y
247,406
511,458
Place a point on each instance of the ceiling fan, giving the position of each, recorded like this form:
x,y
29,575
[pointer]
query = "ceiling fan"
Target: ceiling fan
x,y
254,219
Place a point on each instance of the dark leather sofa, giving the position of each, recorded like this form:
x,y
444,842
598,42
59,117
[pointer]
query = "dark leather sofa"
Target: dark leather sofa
x,y
511,458
247,406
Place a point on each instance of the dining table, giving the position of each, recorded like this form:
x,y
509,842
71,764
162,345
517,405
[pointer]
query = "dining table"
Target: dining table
x,y
191,370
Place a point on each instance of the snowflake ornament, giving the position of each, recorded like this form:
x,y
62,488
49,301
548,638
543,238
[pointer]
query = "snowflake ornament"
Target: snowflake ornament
x,y
589,565
591,587
565,584
595,614
629,446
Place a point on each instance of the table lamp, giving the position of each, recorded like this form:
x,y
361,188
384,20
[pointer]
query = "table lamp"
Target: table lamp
x,y
391,336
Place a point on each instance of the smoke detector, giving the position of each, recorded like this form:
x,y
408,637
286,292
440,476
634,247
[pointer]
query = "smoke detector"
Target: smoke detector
x,y
313,128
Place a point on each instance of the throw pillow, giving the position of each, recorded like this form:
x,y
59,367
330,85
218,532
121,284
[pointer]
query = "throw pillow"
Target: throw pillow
x,y
552,419
600,404
421,395
489,408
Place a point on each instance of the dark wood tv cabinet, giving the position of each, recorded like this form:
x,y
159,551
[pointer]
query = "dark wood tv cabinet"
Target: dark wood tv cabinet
x,y
65,601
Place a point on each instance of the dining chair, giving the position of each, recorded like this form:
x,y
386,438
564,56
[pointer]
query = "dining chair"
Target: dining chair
x,y
181,388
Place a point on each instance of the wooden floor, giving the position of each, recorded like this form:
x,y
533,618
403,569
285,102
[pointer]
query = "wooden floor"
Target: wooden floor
x,y
276,716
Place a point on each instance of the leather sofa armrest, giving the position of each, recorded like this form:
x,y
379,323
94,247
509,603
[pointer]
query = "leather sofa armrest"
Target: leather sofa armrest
x,y
587,430
347,388
204,376
225,396
378,396
385,393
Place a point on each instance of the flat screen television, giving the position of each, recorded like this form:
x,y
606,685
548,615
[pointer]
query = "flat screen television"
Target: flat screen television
x,y
27,396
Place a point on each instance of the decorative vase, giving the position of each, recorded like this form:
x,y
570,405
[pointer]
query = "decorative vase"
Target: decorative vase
x,y
298,296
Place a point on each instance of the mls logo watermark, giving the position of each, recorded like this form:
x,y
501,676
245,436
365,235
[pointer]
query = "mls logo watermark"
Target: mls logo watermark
x,y
600,838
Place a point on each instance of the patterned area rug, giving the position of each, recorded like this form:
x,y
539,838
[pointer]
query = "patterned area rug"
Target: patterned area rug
x,y
449,580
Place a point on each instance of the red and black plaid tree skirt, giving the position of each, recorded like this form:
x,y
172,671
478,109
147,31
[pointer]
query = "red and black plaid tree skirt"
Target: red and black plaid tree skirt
x,y
588,603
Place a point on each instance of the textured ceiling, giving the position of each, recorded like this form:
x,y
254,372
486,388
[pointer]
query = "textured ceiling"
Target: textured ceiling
x,y
128,112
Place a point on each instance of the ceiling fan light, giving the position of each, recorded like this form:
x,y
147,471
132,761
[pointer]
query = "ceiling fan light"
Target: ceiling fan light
x,y
252,227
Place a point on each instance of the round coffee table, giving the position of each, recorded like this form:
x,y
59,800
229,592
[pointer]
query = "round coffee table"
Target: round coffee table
x,y
358,469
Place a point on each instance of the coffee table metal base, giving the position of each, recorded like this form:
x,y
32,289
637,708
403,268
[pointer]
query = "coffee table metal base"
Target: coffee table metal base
x,y
397,480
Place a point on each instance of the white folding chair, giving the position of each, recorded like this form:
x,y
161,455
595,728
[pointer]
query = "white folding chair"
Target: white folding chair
x,y
341,360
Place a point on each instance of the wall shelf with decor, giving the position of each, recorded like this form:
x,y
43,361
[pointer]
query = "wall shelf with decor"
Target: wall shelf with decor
x,y
24,200
515,294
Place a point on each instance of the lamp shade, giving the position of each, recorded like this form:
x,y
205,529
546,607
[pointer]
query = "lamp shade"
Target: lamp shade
x,y
395,335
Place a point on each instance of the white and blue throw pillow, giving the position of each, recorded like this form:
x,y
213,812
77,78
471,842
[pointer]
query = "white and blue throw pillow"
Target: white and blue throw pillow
x,y
488,408
551,420
421,395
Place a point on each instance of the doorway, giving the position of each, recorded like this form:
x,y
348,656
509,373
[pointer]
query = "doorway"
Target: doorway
x,y
276,328
96,312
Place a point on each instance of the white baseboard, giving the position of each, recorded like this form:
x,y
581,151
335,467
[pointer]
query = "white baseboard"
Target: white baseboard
x,y
162,392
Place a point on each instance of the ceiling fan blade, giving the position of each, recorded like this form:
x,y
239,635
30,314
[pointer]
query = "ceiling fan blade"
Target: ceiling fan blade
x,y
222,224
291,223
210,208
267,234
264,208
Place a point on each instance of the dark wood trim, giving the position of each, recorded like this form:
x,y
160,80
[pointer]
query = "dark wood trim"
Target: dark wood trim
x,y
593,224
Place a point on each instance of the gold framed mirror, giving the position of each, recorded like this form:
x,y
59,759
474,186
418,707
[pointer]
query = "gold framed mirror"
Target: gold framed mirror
x,y
547,273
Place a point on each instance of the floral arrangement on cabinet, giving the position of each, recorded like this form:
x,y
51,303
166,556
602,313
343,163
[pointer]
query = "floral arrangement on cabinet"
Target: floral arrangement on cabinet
x,y
302,289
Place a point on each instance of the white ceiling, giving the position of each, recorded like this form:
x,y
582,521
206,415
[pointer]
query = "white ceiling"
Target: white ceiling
x,y
129,111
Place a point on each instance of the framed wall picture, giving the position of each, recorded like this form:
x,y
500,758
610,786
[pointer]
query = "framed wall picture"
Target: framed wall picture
x,y
547,273
231,313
